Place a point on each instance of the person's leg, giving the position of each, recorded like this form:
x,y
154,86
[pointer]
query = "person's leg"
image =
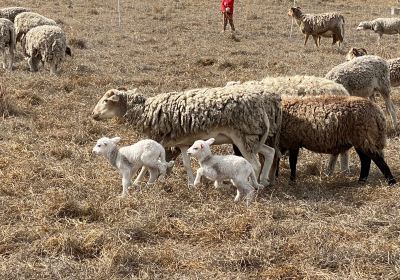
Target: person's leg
x,y
230,17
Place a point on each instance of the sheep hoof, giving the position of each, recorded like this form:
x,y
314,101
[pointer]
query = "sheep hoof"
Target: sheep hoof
x,y
263,184
362,181
392,182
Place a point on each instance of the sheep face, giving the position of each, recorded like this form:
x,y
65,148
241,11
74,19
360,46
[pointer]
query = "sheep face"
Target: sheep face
x,y
355,52
200,148
294,12
109,106
105,145
364,25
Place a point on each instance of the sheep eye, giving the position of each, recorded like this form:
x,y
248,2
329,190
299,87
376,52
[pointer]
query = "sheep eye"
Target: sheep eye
x,y
105,100
105,144
195,149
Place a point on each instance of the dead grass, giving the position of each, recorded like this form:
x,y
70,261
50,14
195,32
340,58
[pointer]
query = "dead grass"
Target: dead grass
x,y
61,217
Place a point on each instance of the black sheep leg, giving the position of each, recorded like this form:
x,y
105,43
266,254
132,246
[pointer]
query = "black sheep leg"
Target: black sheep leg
x,y
293,155
365,165
236,151
383,167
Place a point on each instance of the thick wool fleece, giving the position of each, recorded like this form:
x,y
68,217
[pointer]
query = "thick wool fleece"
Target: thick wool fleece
x,y
332,124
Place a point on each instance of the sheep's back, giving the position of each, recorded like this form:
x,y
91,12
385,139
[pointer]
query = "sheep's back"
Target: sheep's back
x,y
5,36
41,39
360,72
332,124
320,23
242,108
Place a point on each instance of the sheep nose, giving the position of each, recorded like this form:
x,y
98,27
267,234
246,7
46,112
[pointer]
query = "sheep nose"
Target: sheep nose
x,y
95,116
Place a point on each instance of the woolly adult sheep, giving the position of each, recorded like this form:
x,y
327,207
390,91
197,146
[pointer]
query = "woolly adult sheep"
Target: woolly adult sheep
x,y
28,20
7,41
303,86
11,12
394,65
48,44
334,124
363,76
317,25
381,26
245,116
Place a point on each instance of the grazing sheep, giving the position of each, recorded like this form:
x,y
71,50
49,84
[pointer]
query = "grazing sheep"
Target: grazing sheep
x,y
244,116
7,41
26,21
394,65
381,26
303,86
317,25
355,52
219,168
145,154
364,75
11,12
334,124
46,43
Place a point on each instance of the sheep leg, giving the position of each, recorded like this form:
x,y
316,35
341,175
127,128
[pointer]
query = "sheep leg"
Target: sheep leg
x,y
392,111
252,158
33,62
199,174
187,165
344,162
306,39
365,165
293,155
126,179
4,59
315,37
236,151
383,167
139,178
11,51
269,156
331,165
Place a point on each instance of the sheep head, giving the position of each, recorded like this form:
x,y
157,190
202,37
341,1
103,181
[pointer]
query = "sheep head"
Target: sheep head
x,y
201,149
112,104
364,25
295,12
105,145
356,52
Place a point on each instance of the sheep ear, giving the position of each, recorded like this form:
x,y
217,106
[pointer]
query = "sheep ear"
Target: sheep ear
x,y
115,140
354,51
201,146
210,141
364,50
298,8
113,98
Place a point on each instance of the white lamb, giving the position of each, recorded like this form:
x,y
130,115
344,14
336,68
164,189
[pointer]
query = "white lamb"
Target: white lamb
x,y
219,168
145,154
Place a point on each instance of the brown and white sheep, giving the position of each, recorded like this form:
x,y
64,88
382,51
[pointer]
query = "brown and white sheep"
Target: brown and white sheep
x,y
319,25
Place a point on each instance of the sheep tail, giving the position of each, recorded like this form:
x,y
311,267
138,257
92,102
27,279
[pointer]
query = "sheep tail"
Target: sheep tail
x,y
265,136
253,179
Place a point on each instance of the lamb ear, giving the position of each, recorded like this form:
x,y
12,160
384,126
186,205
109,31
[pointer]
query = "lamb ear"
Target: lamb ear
x,y
115,140
210,141
364,50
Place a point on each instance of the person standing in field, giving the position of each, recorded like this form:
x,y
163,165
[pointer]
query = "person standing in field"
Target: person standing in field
x,y
227,12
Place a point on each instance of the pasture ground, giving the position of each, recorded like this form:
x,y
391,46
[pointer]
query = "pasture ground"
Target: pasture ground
x,y
60,214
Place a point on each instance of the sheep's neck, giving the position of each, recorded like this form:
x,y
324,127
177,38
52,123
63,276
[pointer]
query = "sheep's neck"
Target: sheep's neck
x,y
203,160
112,156
123,103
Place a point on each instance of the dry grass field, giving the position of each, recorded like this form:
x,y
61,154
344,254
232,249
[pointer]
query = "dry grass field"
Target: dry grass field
x,y
61,216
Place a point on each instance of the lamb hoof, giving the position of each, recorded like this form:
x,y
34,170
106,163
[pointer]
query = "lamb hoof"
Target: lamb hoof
x,y
263,184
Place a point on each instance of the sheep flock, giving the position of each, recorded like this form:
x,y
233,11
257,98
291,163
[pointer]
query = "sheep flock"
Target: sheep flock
x,y
239,138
